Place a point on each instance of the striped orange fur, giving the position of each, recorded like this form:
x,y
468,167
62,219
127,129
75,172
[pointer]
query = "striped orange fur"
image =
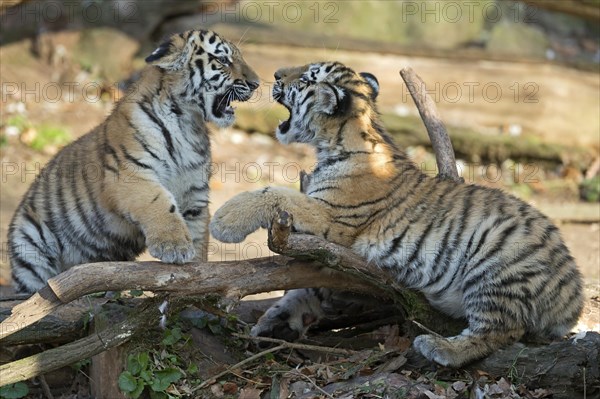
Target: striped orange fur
x,y
475,252
140,179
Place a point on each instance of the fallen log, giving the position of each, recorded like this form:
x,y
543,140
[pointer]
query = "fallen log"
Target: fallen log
x,y
65,324
230,279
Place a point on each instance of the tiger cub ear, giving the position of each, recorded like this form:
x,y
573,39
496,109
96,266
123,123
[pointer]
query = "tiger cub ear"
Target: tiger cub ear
x,y
330,99
373,82
170,55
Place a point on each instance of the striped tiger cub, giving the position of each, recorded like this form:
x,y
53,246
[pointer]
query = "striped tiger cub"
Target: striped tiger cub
x,y
140,179
475,252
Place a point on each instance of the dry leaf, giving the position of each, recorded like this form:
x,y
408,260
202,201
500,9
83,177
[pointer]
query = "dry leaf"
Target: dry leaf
x,y
230,388
250,393
459,386
217,390
432,395
393,364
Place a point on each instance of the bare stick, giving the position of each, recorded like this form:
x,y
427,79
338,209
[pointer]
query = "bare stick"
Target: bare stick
x,y
293,345
440,141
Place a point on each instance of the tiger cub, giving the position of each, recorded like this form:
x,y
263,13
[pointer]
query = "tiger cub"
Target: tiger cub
x,y
140,179
475,252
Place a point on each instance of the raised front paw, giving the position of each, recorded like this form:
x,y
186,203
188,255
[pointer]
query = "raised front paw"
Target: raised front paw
x,y
237,218
171,244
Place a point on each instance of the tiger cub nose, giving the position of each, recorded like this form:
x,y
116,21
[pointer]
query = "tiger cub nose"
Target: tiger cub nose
x,y
252,84
277,75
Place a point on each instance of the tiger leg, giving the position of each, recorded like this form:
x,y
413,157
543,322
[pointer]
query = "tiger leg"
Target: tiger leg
x,y
197,220
33,252
462,349
154,208
246,212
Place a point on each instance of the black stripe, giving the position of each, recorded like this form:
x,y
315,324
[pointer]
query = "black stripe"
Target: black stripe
x,y
165,132
35,224
309,94
131,158
199,189
194,212
19,286
70,232
324,188
26,265
444,250
145,146
424,235
51,208
175,108
498,245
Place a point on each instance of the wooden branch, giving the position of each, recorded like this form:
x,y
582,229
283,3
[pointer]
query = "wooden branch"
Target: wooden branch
x,y
232,279
440,141
56,358
566,367
65,324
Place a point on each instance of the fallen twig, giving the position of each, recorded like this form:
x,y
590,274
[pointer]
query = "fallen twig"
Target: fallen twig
x,y
294,345
214,378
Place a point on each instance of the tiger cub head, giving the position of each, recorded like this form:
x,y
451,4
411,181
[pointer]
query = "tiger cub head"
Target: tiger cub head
x,y
320,96
206,71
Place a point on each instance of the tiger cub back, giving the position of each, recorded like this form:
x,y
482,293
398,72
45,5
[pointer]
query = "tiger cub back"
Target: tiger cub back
x,y
140,179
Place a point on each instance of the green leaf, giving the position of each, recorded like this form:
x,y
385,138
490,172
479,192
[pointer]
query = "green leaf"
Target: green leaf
x,y
159,385
158,395
144,359
127,382
172,336
133,365
14,391
146,376
135,293
138,390
164,378
192,368
215,328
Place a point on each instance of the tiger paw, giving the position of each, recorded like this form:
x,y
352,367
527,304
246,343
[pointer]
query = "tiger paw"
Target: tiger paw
x,y
237,218
434,349
172,245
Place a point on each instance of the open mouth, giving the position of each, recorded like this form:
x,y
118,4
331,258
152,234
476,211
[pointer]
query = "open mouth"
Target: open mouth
x,y
222,105
284,126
